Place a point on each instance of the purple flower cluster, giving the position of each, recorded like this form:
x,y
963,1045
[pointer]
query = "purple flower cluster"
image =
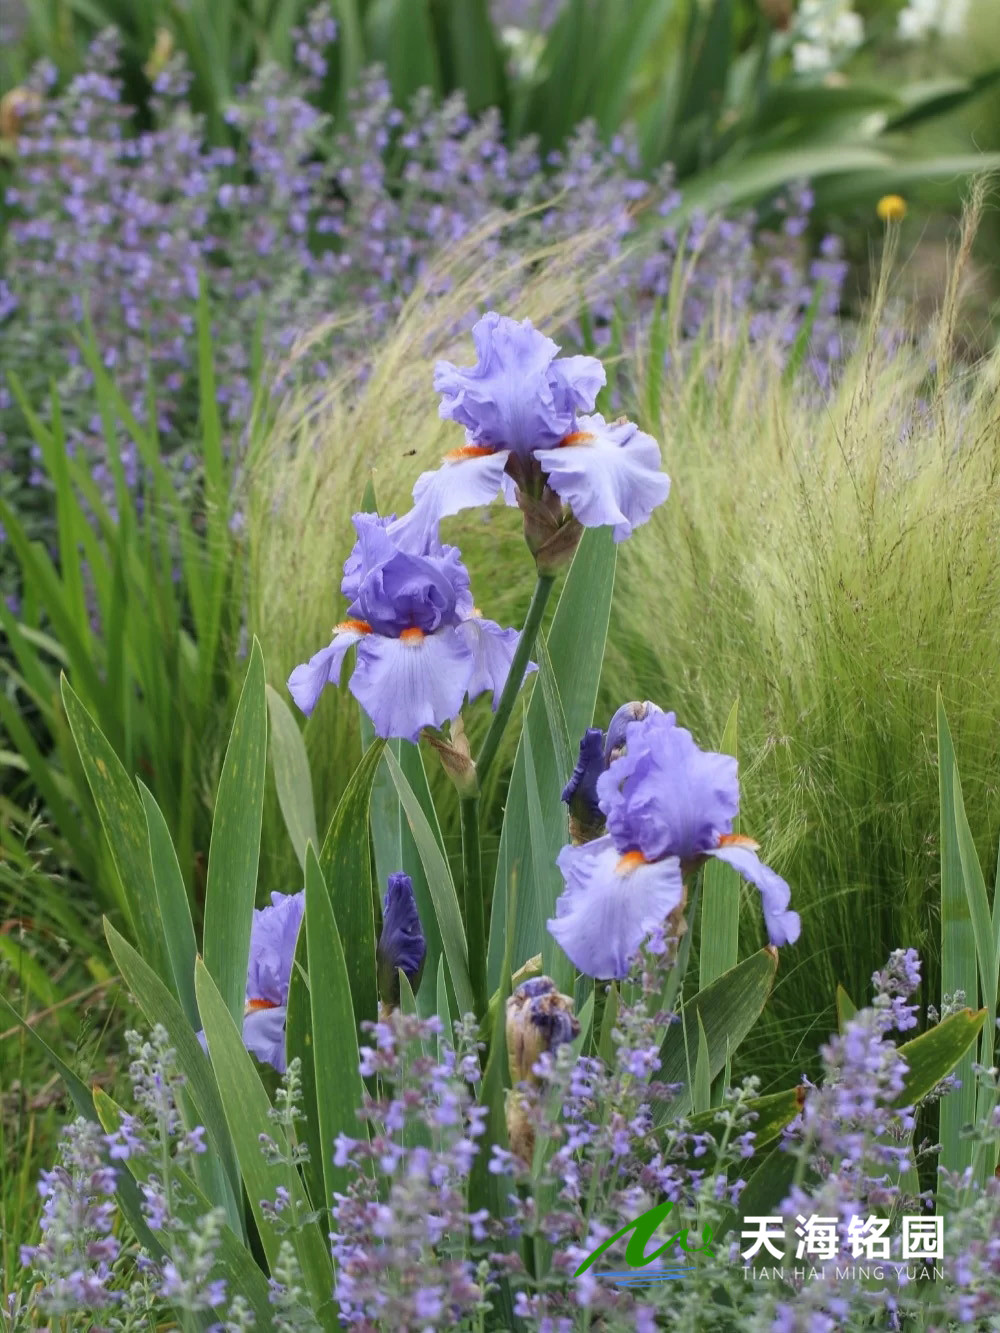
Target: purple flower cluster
x,y
668,805
607,1160
399,1233
77,1247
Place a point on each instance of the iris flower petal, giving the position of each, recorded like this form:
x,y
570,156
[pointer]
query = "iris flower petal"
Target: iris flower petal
x,y
666,796
783,925
609,477
273,934
465,481
264,1036
519,395
412,682
306,683
607,911
492,651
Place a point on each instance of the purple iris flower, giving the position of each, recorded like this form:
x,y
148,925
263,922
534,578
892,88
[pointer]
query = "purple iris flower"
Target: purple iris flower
x,y
668,804
422,646
401,945
273,936
520,406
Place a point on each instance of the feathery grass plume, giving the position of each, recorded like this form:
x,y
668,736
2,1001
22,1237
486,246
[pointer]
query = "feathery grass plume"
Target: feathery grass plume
x,y
831,560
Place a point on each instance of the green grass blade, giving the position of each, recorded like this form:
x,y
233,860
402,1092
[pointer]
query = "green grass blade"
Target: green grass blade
x,y
728,1009
339,1089
246,1107
575,644
124,824
720,909
346,864
958,952
936,1052
291,776
701,1090
299,1044
174,908
441,888
846,1008
234,851
562,741
544,879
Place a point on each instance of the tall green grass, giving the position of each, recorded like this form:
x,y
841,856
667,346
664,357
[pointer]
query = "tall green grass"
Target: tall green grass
x,y
830,560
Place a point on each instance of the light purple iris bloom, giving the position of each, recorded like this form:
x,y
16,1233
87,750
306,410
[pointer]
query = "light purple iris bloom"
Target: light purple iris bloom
x,y
520,406
422,646
667,804
273,936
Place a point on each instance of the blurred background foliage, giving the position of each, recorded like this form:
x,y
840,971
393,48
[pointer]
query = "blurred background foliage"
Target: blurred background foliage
x,y
740,96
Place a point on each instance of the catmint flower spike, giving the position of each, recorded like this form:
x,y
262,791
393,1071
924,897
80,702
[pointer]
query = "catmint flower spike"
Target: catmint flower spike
x,y
401,945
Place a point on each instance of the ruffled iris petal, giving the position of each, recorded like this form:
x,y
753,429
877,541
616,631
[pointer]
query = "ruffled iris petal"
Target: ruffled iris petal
x,y
605,914
783,925
406,684
665,796
492,651
459,483
518,395
306,683
612,479
264,1036
273,935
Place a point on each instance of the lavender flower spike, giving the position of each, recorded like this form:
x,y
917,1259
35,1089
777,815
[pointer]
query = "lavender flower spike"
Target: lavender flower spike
x,y
422,646
520,406
401,945
668,805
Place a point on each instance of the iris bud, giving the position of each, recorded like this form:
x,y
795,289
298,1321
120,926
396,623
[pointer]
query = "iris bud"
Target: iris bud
x,y
586,818
401,945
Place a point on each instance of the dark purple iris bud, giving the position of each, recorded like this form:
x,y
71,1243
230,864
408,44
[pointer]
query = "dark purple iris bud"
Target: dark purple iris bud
x,y
580,793
401,946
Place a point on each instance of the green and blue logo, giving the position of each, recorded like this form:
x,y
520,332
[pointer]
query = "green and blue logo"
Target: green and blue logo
x,y
643,1229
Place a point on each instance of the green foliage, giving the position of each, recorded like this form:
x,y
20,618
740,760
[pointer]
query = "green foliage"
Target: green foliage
x,y
970,959
709,85
140,610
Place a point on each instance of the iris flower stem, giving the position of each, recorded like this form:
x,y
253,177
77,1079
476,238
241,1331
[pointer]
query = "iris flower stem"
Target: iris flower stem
x,y
475,927
518,666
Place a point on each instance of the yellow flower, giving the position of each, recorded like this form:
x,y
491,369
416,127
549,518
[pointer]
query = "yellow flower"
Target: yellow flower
x,y
891,208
